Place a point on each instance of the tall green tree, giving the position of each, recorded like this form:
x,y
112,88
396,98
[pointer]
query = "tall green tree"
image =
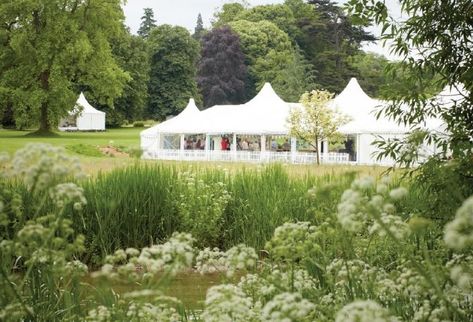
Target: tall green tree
x,y
296,78
174,57
131,53
267,48
330,41
199,28
227,13
147,23
50,48
222,73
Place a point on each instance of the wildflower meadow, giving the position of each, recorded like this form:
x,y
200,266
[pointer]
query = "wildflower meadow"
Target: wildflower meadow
x,y
329,248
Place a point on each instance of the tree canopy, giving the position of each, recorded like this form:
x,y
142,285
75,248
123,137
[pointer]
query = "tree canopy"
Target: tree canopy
x,y
315,122
222,71
174,55
147,23
50,48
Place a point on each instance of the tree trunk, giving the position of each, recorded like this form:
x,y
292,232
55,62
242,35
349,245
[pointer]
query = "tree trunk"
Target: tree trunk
x,y
44,124
317,150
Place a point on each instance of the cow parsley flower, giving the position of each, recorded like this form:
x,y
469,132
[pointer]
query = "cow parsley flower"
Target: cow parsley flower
x,y
240,257
364,311
459,232
228,303
286,307
210,261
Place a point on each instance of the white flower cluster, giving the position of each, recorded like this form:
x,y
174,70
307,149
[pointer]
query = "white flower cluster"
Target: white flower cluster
x,y
367,204
210,261
240,257
292,241
364,311
41,165
67,193
174,256
298,280
99,314
151,312
14,312
459,232
461,271
229,303
287,307
257,287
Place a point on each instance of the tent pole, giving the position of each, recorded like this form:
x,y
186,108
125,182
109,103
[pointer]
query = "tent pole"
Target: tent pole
x,y
234,147
181,147
293,150
263,148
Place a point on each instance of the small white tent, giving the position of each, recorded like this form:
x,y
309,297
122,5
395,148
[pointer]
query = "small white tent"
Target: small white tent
x,y
84,117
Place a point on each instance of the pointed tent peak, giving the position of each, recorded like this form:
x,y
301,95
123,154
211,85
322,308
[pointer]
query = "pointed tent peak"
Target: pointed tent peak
x,y
354,89
266,95
87,108
191,108
354,94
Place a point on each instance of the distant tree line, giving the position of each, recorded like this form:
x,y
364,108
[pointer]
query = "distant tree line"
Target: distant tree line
x,y
52,50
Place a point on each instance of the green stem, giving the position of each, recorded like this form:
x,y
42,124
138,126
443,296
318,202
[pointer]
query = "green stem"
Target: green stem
x,y
17,295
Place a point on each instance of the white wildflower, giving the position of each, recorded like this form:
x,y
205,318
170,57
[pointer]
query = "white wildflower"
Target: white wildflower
x,y
398,193
287,307
228,303
240,257
459,232
99,314
364,311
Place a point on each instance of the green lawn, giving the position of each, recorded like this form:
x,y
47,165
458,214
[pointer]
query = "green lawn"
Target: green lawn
x,y
11,140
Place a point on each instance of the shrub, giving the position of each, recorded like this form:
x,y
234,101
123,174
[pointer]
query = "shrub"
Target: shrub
x,y
138,124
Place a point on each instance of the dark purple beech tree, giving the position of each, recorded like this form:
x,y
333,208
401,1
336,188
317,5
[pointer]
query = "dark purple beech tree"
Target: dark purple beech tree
x,y
222,73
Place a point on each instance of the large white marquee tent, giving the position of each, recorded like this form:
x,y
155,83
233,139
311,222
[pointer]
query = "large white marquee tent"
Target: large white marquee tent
x,y
84,117
265,117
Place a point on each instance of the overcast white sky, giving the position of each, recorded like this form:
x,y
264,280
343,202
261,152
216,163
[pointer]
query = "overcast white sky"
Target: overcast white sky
x,y
184,13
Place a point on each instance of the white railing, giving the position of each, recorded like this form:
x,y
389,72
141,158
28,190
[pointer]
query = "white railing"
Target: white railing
x,y
246,156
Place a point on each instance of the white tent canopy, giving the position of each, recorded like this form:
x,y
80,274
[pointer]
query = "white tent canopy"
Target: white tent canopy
x,y
85,117
267,114
362,109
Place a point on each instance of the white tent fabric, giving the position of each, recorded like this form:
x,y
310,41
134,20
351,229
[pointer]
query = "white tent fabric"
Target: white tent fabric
x,y
89,118
267,114
179,124
361,108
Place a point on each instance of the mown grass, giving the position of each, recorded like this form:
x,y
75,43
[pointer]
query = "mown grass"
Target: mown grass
x,y
12,141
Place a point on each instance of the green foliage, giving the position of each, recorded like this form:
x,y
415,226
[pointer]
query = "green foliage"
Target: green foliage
x,y
199,30
315,121
445,59
50,48
131,53
227,14
84,149
147,23
201,206
342,250
138,124
174,56
295,79
267,48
